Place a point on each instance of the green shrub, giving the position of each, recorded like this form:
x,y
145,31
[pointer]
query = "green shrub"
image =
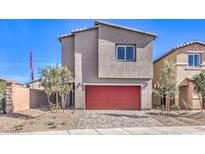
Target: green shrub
x,y
3,106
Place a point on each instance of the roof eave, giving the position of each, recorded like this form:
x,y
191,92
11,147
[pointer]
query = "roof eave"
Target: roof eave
x,y
84,29
75,31
126,28
64,36
32,81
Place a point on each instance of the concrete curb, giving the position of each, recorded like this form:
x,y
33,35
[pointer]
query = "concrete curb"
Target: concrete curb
x,y
172,130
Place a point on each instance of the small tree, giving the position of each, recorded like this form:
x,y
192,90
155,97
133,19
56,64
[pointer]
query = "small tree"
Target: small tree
x,y
166,86
55,74
56,81
2,87
199,86
66,84
47,84
2,97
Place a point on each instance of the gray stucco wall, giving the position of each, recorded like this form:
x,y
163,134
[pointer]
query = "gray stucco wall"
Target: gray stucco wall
x,y
68,57
146,96
68,52
83,48
109,67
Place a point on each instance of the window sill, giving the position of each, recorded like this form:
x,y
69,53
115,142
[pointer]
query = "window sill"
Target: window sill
x,y
194,68
195,51
126,60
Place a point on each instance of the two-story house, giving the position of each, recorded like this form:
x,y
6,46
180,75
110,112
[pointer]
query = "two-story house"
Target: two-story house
x,y
112,66
189,59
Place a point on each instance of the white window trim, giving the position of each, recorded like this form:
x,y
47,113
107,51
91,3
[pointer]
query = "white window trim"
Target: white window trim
x,y
194,61
182,64
195,51
125,60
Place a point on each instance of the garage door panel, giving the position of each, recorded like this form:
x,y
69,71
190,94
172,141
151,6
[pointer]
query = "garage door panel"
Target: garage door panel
x,y
113,97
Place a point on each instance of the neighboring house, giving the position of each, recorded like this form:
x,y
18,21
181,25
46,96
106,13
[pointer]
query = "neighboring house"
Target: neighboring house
x,y
112,66
189,59
11,81
35,84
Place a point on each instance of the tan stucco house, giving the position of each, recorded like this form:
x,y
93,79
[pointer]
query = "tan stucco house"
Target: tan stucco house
x,y
189,59
112,66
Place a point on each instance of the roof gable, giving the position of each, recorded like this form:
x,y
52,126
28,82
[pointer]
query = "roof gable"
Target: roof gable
x,y
126,28
178,47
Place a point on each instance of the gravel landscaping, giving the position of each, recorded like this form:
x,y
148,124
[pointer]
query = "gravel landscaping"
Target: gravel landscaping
x,y
116,119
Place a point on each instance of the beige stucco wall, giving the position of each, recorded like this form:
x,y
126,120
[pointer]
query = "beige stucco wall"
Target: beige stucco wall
x,y
83,54
182,62
183,90
158,65
193,97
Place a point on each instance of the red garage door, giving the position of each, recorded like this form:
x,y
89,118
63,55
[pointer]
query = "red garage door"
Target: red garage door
x,y
112,97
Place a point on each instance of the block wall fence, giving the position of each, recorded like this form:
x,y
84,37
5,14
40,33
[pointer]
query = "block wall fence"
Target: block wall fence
x,y
20,98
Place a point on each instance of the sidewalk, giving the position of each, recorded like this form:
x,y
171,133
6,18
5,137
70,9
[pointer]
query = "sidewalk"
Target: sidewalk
x,y
174,130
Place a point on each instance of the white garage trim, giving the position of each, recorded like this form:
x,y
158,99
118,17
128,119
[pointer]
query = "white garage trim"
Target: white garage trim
x,y
112,84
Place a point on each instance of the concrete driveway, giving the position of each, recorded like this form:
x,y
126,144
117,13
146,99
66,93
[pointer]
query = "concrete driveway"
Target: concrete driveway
x,y
177,130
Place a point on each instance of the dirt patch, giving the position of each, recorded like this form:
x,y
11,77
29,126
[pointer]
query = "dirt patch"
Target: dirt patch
x,y
180,118
39,120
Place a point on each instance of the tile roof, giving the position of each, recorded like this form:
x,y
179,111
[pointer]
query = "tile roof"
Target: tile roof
x,y
179,46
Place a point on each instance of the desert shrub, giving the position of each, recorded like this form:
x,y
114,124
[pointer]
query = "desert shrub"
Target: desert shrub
x,y
19,127
62,123
51,124
175,107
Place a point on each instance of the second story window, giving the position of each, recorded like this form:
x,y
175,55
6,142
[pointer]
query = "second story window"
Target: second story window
x,y
194,60
125,53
